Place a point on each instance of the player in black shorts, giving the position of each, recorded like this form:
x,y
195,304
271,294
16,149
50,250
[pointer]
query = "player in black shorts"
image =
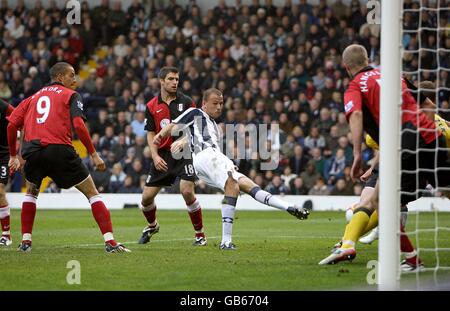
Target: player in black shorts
x,y
47,118
164,170
5,110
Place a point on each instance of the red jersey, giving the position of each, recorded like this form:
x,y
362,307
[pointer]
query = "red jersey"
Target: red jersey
x,y
47,115
158,115
363,94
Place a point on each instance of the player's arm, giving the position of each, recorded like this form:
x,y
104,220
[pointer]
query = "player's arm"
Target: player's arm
x,y
150,127
178,125
353,112
76,113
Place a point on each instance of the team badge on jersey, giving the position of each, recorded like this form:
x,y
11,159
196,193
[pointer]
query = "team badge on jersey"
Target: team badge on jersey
x,y
349,106
80,104
180,107
164,123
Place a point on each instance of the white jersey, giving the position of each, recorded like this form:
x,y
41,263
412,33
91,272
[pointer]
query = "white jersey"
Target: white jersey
x,y
204,132
210,164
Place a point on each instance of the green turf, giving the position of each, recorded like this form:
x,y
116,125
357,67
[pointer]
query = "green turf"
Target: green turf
x,y
275,252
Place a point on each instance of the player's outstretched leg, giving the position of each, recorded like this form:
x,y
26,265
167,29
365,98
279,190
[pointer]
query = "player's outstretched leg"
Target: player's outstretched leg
x,y
148,208
101,216
264,197
194,211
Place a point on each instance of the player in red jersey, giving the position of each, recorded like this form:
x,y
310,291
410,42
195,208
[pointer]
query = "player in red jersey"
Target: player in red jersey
x,y
47,118
164,170
5,110
362,107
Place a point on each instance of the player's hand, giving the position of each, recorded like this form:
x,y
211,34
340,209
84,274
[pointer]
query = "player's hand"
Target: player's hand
x,y
157,139
98,162
177,146
356,171
160,164
14,163
364,177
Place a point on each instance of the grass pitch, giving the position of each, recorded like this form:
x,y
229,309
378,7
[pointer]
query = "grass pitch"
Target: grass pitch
x,y
275,252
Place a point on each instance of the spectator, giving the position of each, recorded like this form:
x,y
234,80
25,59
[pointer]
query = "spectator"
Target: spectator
x,y
314,139
277,186
319,188
297,187
341,188
309,176
117,178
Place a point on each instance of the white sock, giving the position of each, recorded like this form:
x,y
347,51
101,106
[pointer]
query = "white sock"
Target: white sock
x,y
227,222
26,237
266,198
108,236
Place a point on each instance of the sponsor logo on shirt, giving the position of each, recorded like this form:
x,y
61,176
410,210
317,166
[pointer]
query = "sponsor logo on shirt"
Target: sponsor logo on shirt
x,y
80,104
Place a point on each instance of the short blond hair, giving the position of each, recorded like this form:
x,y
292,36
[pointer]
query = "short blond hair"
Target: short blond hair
x,y
210,92
355,56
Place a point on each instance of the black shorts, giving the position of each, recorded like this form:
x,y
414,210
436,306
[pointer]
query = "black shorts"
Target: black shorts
x,y
183,168
433,168
59,162
4,169
372,181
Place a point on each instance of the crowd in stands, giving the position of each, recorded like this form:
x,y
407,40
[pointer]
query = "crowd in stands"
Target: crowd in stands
x,y
274,64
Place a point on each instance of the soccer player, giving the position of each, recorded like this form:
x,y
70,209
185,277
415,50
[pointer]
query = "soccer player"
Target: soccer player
x,y
5,110
426,98
213,167
164,170
47,118
362,110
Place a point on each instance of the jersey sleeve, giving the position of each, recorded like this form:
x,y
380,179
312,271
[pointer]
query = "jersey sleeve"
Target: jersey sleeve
x,y
149,121
76,106
17,117
352,99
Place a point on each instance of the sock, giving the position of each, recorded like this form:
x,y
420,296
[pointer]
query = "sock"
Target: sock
x,y
149,212
228,210
266,198
27,216
103,218
195,213
407,248
373,222
4,220
355,227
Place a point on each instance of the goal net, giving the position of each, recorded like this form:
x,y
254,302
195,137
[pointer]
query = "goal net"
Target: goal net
x,y
424,53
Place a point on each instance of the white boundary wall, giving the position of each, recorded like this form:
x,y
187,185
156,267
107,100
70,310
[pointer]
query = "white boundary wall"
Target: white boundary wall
x,y
75,200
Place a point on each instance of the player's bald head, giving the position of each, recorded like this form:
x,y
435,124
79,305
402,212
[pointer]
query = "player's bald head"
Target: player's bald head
x,y
355,57
59,69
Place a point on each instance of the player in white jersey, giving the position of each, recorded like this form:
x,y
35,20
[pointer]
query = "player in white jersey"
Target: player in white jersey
x,y
214,167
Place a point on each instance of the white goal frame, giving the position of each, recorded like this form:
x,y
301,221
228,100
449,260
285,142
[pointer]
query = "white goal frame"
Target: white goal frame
x,y
390,101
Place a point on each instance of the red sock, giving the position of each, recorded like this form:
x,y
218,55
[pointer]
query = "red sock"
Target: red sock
x,y
407,247
405,244
195,213
28,214
4,215
101,214
149,212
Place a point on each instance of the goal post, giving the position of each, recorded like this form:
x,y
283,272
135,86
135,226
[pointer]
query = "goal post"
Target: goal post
x,y
390,101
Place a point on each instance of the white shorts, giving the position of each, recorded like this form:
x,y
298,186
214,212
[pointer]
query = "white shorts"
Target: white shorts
x,y
212,166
